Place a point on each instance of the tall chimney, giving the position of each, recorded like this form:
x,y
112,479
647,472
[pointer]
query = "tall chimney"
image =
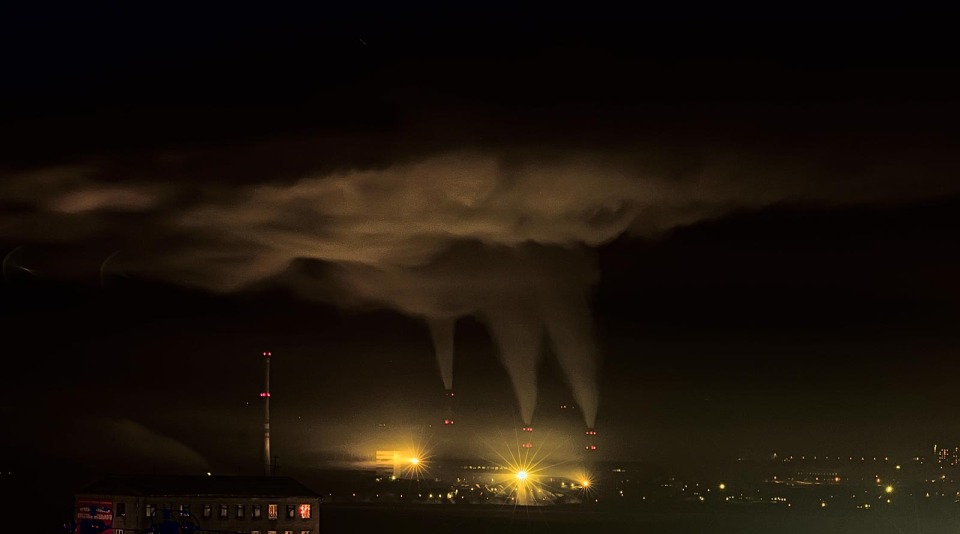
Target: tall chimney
x,y
267,463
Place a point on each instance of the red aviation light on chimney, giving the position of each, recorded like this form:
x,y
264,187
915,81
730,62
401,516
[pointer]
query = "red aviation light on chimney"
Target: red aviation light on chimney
x,y
268,354
265,394
527,445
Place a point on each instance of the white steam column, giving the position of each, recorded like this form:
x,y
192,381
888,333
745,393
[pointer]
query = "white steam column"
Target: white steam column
x,y
267,465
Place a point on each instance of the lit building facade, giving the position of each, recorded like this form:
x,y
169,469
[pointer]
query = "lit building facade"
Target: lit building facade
x,y
254,505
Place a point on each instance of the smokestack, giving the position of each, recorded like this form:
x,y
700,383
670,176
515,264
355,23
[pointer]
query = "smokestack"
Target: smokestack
x,y
448,417
591,440
527,444
267,461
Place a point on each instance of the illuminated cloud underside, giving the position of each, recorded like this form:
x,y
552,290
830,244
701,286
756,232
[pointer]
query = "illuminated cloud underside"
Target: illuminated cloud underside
x,y
455,234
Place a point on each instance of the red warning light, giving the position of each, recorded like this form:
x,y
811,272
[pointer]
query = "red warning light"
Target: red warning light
x,y
448,421
268,354
528,429
591,432
527,445
265,394
591,447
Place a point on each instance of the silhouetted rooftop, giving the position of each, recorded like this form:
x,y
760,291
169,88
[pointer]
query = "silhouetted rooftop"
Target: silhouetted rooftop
x,y
226,486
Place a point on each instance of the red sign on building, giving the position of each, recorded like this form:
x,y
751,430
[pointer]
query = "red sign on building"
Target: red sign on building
x,y
94,516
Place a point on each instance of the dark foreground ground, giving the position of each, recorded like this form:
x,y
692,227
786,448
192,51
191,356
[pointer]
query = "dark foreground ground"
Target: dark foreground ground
x,y
337,518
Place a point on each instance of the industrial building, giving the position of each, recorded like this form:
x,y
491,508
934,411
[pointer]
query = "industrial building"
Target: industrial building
x,y
247,504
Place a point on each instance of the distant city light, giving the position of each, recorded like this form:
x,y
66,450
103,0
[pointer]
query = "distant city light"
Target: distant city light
x,y
415,461
585,483
888,489
521,475
723,486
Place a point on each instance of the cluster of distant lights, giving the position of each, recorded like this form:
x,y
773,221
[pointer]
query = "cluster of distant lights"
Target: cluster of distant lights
x,y
521,473
837,458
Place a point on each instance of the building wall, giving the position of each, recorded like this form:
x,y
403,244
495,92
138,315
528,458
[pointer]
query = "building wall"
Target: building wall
x,y
139,512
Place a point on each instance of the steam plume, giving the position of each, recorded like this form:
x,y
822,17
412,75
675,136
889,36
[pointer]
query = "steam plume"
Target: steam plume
x,y
441,330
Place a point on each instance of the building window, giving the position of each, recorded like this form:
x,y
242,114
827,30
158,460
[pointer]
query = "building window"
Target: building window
x,y
184,510
304,511
240,510
151,509
223,511
121,509
271,511
254,532
291,511
287,532
207,511
118,531
304,532
257,511
271,532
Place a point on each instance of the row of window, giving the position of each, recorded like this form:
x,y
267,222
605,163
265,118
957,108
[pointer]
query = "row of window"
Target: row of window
x,y
120,531
293,511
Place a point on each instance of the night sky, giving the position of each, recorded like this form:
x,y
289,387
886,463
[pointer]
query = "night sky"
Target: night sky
x,y
743,223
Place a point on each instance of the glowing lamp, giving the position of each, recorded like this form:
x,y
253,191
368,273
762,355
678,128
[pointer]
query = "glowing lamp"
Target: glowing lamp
x,y
521,475
415,461
585,483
